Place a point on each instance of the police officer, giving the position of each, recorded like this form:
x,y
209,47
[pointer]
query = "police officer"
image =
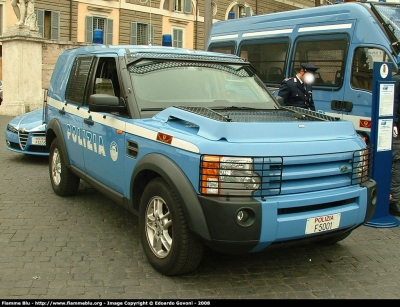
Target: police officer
x,y
297,91
394,205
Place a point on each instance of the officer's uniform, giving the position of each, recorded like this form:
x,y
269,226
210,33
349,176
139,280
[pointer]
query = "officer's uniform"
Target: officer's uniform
x,y
394,206
296,93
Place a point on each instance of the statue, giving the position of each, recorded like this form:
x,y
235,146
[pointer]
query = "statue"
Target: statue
x,y
25,13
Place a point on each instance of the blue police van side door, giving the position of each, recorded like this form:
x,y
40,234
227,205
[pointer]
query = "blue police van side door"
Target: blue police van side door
x,y
105,150
70,113
104,132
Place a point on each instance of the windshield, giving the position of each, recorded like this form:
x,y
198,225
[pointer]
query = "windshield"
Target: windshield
x,y
161,84
390,14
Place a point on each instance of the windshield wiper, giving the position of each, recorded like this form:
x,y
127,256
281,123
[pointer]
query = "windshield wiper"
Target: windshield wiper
x,y
233,107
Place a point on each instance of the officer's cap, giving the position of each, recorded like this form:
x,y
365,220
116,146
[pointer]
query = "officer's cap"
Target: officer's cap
x,y
309,67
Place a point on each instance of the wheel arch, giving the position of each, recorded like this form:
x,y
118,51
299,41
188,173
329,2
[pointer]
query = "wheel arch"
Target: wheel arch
x,y
53,130
157,165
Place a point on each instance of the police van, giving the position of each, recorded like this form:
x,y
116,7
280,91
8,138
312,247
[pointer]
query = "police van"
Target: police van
x,y
195,145
343,40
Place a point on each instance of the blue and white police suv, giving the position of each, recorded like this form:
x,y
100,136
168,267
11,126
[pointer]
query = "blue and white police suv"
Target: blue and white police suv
x,y
195,145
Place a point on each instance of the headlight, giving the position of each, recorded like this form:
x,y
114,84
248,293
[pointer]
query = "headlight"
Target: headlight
x,y
228,176
12,129
361,165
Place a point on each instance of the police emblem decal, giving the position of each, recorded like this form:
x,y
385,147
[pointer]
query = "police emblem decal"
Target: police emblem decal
x,y
114,151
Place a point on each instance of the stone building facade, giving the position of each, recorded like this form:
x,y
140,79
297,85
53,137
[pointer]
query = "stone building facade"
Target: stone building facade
x,y
66,23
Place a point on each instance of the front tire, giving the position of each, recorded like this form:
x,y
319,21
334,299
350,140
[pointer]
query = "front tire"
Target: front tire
x,y
167,241
63,181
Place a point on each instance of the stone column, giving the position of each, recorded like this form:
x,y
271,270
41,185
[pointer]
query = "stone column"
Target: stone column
x,y
22,70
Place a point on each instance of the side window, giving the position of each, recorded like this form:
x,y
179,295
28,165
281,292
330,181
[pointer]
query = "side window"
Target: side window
x,y
48,23
225,47
78,79
106,78
268,58
363,64
327,53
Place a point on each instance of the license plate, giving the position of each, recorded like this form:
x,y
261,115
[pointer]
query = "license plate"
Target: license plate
x,y
322,223
38,140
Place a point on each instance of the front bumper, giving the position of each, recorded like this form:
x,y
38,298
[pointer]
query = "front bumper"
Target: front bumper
x,y
23,145
282,219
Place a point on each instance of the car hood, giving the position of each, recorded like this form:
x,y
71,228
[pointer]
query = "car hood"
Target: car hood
x,y
250,127
31,121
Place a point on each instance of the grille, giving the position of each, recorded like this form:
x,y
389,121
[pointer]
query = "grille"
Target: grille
x,y
286,114
269,176
23,138
132,149
193,57
143,69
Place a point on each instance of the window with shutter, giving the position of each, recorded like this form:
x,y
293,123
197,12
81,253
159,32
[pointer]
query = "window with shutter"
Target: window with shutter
x,y
141,33
55,25
48,23
178,5
133,39
89,29
109,32
187,7
177,38
40,21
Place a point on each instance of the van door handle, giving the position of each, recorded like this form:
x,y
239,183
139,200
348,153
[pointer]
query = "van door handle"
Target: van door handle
x,y
61,111
339,105
89,121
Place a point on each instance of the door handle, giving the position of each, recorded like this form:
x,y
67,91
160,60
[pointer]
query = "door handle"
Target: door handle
x,y
338,105
89,121
61,111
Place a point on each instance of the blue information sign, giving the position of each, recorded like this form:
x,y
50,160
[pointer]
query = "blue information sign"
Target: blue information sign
x,y
381,140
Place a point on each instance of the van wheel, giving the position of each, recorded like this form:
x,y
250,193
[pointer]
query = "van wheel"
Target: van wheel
x,y
335,239
63,181
167,241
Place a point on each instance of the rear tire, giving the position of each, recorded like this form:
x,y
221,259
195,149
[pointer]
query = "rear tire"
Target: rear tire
x,y
63,181
167,241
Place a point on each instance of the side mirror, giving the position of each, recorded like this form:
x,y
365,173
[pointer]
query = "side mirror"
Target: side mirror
x,y
104,103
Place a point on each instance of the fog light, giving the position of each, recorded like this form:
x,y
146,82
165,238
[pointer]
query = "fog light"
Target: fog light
x,y
245,217
8,143
242,216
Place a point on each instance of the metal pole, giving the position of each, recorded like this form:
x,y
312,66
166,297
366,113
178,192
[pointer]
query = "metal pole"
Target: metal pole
x,y
207,20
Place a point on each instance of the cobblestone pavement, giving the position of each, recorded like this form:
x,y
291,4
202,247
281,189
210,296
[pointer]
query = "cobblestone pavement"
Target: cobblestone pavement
x,y
86,246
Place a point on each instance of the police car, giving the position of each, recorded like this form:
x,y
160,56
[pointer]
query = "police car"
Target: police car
x,y
195,145
26,134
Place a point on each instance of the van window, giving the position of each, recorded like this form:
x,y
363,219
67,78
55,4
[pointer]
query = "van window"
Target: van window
x,y
327,53
225,47
363,64
268,58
